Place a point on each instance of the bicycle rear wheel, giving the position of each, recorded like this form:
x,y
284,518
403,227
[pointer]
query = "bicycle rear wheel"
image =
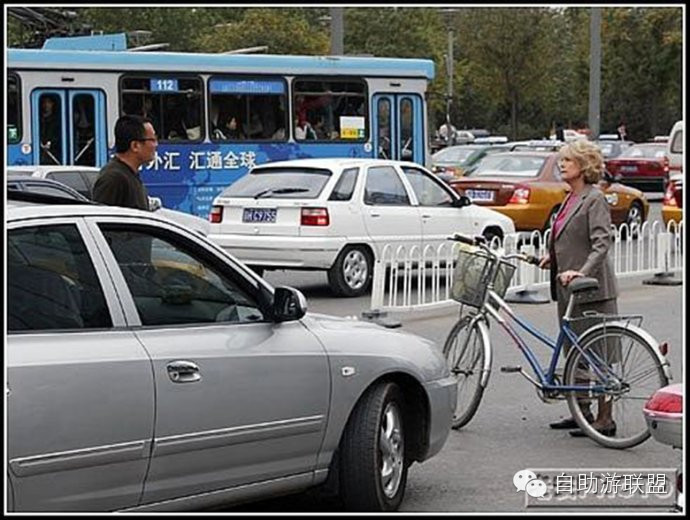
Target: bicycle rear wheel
x,y
631,371
464,353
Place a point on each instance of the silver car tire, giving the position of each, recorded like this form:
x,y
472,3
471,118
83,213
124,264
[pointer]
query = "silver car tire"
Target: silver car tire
x,y
373,463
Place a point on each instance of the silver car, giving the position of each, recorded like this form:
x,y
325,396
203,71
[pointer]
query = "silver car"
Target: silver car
x,y
147,369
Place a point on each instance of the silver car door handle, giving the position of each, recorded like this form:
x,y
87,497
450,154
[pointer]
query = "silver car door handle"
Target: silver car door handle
x,y
426,216
375,215
183,372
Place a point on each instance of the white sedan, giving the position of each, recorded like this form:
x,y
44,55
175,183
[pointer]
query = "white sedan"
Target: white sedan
x,y
338,214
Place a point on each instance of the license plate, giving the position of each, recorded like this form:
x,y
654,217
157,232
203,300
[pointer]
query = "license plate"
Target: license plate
x,y
480,195
628,168
263,215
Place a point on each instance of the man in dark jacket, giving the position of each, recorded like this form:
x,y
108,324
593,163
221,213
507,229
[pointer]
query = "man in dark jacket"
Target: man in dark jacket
x,y
118,183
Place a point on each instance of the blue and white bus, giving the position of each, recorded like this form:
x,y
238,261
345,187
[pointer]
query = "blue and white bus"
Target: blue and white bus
x,y
216,115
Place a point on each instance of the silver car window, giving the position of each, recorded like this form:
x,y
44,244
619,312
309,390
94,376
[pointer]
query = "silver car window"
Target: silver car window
x,y
173,283
52,283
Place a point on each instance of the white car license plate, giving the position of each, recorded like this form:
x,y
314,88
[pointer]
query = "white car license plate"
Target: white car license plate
x,y
629,169
263,215
480,195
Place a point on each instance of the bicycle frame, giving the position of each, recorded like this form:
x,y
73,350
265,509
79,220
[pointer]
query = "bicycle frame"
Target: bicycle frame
x,y
546,376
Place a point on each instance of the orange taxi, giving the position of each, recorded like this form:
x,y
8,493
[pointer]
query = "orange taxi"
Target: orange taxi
x,y
672,207
527,187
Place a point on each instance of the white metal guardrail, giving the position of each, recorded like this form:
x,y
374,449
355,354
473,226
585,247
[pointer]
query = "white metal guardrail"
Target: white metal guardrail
x,y
409,278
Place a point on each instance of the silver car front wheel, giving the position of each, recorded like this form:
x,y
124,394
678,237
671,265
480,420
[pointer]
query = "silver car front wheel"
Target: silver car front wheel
x,y
373,468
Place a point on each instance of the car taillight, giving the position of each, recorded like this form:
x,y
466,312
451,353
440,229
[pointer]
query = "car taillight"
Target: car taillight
x,y
666,165
315,217
216,215
669,199
665,402
520,196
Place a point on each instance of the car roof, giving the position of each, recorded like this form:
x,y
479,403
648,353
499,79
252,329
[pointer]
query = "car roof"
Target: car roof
x,y
26,177
48,168
653,144
333,163
21,210
530,153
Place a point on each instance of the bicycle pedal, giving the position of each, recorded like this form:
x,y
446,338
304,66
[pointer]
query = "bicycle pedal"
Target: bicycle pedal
x,y
510,370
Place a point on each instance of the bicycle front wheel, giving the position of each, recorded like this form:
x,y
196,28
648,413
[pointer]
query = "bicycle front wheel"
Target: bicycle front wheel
x,y
464,352
630,373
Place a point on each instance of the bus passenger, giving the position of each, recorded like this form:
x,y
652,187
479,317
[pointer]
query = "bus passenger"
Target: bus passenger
x,y
51,139
231,129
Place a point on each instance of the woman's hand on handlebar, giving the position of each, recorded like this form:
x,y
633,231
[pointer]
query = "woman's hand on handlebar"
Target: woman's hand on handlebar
x,y
545,262
567,276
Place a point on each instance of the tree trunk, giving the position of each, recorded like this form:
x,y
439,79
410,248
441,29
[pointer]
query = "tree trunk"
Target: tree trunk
x,y
514,114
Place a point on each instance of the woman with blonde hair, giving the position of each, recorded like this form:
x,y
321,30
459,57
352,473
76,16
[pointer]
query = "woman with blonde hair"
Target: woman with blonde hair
x,y
578,246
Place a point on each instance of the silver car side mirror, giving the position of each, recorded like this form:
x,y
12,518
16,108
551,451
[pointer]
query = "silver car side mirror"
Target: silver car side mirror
x,y
288,304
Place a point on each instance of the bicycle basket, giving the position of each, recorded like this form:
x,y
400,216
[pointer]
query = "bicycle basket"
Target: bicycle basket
x,y
473,271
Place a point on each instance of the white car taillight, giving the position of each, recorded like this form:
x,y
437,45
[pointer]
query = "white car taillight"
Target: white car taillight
x,y
216,215
315,217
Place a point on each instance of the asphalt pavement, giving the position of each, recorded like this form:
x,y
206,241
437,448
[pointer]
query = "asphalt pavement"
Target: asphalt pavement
x,y
474,471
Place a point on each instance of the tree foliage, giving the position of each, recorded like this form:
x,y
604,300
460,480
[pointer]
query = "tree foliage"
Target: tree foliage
x,y
516,70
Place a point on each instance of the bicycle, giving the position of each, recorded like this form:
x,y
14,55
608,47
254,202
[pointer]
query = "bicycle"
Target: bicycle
x,y
612,363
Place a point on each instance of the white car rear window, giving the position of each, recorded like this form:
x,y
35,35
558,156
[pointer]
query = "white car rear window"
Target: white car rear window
x,y
282,183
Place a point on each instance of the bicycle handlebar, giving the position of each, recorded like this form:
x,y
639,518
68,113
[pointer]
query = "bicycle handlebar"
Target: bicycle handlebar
x,y
480,241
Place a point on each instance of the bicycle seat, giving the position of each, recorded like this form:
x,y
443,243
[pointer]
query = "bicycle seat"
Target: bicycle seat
x,y
583,284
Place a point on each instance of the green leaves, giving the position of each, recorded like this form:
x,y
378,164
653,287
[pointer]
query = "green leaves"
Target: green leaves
x,y
516,70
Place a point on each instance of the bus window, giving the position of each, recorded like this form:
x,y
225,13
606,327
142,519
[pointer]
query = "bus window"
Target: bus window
x,y
247,109
174,105
13,112
330,110
406,130
384,128
50,128
83,128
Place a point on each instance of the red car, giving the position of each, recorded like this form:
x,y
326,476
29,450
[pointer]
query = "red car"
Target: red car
x,y
641,165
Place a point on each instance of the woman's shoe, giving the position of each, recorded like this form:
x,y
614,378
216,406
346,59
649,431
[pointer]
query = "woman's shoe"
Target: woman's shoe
x,y
569,424
608,431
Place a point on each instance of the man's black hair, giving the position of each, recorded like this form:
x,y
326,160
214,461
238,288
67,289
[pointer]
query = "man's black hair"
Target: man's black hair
x,y
129,128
